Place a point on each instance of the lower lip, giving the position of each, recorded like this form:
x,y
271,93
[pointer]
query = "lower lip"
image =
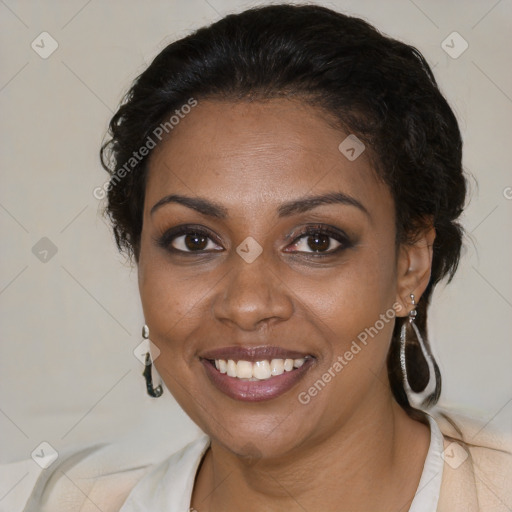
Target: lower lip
x,y
258,390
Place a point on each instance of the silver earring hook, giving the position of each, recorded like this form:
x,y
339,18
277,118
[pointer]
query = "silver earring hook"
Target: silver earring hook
x,y
413,312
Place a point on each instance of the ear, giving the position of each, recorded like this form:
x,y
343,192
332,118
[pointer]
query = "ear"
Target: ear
x,y
413,269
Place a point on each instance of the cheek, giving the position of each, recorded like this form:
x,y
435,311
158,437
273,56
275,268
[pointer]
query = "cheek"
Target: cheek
x,y
172,310
354,310
173,306
354,296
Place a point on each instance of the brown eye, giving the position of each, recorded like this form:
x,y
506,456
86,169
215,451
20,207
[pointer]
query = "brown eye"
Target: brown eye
x,y
320,241
188,240
316,243
195,242
192,242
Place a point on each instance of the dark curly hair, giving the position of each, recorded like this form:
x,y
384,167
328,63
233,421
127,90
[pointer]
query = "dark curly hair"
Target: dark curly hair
x,y
376,87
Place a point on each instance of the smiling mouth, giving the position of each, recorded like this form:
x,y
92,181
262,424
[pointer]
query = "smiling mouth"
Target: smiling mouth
x,y
258,370
254,374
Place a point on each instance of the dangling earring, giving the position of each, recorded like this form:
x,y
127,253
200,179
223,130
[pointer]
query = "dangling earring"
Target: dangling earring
x,y
148,366
418,398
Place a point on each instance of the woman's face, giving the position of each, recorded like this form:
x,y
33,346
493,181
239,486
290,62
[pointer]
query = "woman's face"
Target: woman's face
x,y
252,287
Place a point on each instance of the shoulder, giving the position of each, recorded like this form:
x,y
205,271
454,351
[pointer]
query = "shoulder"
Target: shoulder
x,y
487,445
477,471
98,477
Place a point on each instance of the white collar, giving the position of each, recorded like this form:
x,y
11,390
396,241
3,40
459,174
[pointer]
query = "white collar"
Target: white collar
x,y
169,485
429,488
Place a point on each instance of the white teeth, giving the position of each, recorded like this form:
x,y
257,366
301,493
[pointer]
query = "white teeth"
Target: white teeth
x,y
244,369
231,368
288,365
277,366
259,370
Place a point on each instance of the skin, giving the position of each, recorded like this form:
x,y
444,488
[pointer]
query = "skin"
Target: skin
x,y
351,448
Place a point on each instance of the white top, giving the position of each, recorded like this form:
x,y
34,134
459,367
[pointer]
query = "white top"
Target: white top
x,y
168,486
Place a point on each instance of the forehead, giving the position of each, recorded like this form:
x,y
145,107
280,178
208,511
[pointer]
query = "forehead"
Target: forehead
x,y
244,153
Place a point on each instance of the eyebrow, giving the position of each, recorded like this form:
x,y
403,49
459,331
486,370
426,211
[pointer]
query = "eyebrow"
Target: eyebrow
x,y
304,204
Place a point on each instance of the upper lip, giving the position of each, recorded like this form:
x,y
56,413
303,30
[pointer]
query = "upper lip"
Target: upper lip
x,y
253,354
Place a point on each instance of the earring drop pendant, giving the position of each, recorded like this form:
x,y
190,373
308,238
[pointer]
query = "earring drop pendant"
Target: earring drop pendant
x,y
152,391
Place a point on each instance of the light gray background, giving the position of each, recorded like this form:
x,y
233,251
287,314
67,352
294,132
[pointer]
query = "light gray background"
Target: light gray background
x,y
69,325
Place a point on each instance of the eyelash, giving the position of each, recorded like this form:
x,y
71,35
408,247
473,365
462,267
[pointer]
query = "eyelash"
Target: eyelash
x,y
168,237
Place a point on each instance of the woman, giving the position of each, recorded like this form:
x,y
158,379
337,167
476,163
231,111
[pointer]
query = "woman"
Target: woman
x,y
288,181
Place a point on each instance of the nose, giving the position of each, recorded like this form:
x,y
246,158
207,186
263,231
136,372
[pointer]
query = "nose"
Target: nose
x,y
253,294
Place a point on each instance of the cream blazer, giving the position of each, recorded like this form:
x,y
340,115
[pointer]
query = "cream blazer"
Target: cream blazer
x,y
101,477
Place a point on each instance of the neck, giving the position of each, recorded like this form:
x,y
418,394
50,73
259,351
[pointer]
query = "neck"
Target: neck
x,y
373,462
